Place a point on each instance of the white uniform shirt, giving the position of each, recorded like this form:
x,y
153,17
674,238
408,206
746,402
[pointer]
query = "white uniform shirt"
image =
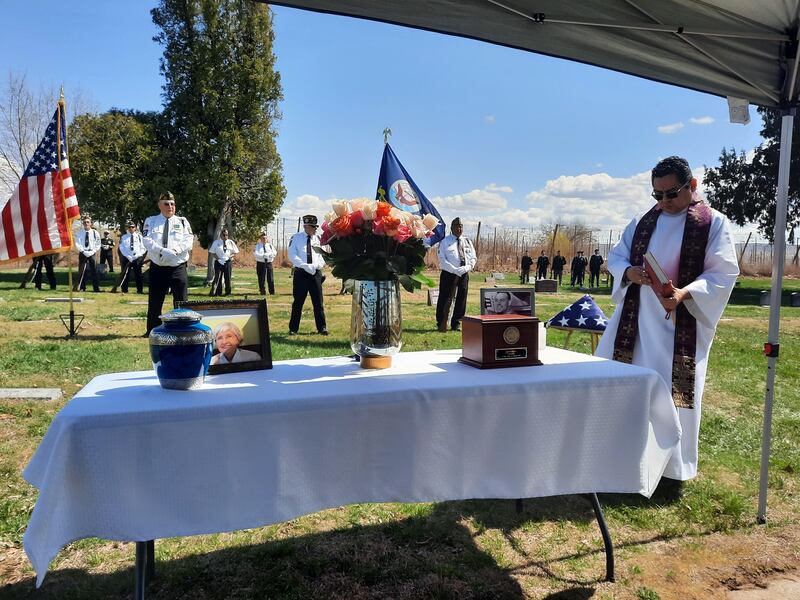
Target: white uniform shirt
x,y
224,250
138,246
94,242
179,243
297,253
448,255
265,252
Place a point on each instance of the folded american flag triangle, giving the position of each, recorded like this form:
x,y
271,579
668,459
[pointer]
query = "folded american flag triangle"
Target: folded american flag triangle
x,y
583,314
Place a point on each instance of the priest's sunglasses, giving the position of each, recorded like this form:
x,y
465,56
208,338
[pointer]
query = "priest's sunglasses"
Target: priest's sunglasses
x,y
671,194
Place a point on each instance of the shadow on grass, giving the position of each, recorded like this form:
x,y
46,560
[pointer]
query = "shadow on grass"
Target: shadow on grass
x,y
750,296
429,555
108,337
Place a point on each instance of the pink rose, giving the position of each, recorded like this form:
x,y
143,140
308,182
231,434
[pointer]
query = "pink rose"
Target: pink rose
x,y
357,218
403,233
326,237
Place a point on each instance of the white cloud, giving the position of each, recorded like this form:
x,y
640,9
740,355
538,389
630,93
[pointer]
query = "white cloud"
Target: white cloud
x,y
701,120
672,128
490,119
502,189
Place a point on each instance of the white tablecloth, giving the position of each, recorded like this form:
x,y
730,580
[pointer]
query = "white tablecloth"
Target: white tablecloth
x,y
128,460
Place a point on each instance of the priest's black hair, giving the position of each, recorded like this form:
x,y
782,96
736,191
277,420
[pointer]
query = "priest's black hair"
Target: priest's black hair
x,y
673,165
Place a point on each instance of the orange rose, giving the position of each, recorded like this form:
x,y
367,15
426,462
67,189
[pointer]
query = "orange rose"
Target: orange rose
x,y
343,226
382,210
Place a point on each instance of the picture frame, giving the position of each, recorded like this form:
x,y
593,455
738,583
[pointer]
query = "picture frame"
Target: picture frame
x,y
508,301
230,320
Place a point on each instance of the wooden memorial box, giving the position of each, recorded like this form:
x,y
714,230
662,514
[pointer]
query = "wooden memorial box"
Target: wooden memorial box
x,y
495,341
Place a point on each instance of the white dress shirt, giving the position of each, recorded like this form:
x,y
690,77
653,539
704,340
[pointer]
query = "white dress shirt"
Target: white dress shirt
x,y
448,255
265,252
179,242
224,250
138,246
297,253
94,242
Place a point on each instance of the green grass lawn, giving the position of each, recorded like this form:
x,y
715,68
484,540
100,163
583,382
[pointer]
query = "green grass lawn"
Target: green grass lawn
x,y
473,549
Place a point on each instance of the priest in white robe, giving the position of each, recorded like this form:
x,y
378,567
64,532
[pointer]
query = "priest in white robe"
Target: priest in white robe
x,y
693,244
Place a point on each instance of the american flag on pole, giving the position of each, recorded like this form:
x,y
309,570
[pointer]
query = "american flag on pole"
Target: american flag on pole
x,y
36,218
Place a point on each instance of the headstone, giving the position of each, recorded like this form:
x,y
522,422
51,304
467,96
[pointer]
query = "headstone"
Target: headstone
x,y
63,299
499,276
546,285
490,281
764,299
433,296
30,393
794,299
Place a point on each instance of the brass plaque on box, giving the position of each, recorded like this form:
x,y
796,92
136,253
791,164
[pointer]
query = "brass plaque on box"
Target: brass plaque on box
x,y
494,341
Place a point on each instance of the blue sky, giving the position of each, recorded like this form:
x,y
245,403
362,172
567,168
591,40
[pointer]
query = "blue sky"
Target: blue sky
x,y
488,133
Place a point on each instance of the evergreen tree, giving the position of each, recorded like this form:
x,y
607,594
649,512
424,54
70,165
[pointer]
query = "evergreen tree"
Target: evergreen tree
x,y
745,190
220,106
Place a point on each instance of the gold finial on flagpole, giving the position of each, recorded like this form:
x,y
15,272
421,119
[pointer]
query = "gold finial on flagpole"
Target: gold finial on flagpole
x,y
386,133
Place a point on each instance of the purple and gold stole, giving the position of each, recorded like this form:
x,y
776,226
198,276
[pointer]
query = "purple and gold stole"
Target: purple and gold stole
x,y
693,251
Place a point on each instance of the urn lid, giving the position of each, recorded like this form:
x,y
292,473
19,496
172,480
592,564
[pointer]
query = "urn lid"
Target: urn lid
x,y
181,315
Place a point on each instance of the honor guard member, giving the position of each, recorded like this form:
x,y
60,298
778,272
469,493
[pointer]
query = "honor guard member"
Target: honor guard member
x,y
47,262
457,258
131,257
525,266
558,266
87,243
307,275
265,253
595,262
107,251
541,266
223,250
168,239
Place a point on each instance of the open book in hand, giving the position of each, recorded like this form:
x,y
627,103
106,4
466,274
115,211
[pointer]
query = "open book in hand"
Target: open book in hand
x,y
661,284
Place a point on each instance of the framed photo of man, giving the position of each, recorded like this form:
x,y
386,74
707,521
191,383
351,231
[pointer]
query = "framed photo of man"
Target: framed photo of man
x,y
241,334
508,301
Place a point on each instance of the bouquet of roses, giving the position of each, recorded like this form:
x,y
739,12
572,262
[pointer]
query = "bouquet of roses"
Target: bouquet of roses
x,y
372,240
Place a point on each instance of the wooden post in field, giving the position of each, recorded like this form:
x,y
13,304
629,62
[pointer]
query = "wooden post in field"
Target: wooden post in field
x,y
796,252
494,251
478,240
553,242
298,224
741,254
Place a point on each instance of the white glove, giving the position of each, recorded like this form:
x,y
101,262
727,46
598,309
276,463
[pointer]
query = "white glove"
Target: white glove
x,y
309,269
166,252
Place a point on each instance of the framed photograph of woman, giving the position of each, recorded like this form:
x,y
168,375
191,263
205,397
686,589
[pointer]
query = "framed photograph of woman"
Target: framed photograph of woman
x,y
507,301
241,334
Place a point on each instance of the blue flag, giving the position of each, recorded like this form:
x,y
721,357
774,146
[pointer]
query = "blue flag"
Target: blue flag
x,y
581,314
396,187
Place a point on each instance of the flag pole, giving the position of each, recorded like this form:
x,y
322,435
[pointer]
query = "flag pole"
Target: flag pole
x,y
386,135
62,109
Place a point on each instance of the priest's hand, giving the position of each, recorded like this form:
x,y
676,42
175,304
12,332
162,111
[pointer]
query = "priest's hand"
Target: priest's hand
x,y
638,275
670,303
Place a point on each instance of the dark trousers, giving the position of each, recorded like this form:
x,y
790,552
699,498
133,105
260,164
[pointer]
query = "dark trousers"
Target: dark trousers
x,y
127,267
594,276
107,257
87,267
47,262
264,270
525,277
450,286
542,274
557,275
221,272
304,284
162,280
577,277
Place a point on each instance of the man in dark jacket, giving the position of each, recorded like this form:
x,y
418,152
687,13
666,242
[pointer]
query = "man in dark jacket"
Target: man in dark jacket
x,y
578,269
594,268
525,265
558,266
541,266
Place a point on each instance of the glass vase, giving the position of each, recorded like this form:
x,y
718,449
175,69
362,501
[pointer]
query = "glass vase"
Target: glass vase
x,y
376,326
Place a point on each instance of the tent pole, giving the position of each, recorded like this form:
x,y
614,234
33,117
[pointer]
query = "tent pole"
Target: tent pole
x,y
778,258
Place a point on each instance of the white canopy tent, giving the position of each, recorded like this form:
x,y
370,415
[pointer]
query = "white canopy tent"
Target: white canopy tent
x,y
744,49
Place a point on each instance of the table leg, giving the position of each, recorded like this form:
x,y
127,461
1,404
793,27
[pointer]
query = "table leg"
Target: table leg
x,y
609,546
566,341
141,570
151,560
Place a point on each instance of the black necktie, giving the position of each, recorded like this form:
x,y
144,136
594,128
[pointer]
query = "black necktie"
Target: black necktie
x,y
225,246
309,260
461,256
131,241
86,240
165,235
